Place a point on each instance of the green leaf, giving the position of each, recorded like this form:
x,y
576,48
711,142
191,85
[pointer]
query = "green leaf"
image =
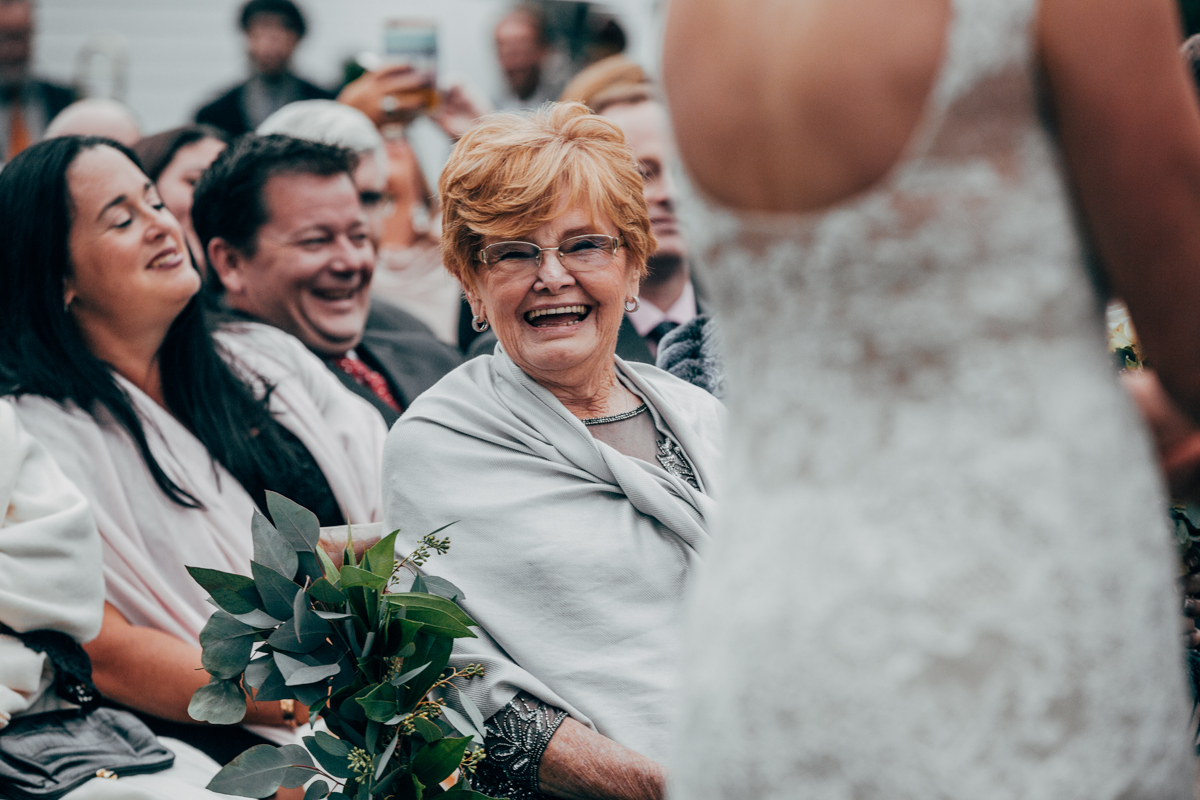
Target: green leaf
x,y
354,576
316,791
332,745
299,673
380,703
459,794
381,558
436,651
420,600
472,711
461,724
428,731
437,761
258,619
439,623
226,645
219,702
307,675
277,591
332,616
442,588
297,524
257,772
274,687
304,632
327,566
332,762
400,680
271,549
257,672
325,592
418,585
233,593
299,758
386,756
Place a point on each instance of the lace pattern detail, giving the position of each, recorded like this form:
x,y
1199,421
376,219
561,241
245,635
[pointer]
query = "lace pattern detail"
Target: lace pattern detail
x,y
942,532
517,735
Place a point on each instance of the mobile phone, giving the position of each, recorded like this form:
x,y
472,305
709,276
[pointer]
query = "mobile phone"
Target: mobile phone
x,y
414,42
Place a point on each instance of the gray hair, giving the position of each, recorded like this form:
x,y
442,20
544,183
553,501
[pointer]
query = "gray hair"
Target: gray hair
x,y
328,122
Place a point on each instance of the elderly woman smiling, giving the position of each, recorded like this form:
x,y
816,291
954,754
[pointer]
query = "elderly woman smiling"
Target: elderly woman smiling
x,y
581,484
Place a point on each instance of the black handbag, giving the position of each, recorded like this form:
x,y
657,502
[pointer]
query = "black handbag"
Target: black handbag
x,y
44,756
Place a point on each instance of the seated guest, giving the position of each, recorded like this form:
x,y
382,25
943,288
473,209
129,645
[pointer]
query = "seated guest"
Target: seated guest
x,y
432,295
175,160
27,103
96,116
582,483
273,30
286,235
52,594
172,432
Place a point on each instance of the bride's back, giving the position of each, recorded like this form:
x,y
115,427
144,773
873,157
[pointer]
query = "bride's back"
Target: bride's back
x,y
942,549
832,95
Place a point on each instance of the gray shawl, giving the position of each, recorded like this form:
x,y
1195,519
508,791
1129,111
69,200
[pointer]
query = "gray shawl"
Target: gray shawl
x,y
572,557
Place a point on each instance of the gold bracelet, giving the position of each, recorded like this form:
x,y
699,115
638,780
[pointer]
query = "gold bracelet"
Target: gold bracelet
x,y
288,709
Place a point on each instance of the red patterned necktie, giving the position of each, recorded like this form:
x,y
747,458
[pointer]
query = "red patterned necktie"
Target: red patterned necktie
x,y
365,376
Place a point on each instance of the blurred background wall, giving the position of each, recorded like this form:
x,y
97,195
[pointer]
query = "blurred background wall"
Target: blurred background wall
x,y
182,53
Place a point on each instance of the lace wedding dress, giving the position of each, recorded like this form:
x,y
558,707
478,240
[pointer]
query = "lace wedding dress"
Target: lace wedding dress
x,y
944,569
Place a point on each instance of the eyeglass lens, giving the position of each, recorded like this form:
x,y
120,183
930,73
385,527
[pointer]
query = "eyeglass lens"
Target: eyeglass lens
x,y
578,252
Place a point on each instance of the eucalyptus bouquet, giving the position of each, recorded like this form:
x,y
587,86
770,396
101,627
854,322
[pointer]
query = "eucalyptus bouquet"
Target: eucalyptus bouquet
x,y
371,662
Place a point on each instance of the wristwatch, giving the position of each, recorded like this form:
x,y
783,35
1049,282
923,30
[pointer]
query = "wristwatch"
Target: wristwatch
x,y
288,709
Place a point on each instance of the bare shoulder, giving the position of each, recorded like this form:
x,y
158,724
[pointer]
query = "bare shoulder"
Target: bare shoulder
x,y
795,106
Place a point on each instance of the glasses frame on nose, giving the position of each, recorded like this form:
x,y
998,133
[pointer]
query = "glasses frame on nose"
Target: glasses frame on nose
x,y
534,261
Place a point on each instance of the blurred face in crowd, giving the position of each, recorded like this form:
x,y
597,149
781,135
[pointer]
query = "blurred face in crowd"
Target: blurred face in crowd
x,y
371,184
177,183
645,127
131,274
270,44
310,273
520,52
555,323
16,35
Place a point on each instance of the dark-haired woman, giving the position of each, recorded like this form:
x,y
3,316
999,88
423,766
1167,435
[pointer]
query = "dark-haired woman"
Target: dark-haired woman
x,y
175,160
172,433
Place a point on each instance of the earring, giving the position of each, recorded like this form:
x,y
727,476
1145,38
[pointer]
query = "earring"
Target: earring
x,y
480,324
633,305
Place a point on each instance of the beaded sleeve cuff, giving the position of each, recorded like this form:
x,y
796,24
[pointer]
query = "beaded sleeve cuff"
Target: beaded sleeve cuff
x,y
517,735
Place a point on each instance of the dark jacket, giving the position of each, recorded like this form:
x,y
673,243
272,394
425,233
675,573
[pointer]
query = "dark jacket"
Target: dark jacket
x,y
54,98
410,362
228,113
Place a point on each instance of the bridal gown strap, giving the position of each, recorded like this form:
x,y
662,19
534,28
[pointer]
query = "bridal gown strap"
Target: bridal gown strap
x,y
943,568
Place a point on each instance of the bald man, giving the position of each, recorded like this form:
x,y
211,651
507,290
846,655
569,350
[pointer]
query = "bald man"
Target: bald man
x,y
96,117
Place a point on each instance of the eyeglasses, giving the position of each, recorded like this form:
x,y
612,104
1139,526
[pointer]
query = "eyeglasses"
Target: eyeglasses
x,y
578,254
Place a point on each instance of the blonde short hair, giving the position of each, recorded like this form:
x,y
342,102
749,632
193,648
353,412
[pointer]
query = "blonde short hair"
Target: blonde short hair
x,y
506,177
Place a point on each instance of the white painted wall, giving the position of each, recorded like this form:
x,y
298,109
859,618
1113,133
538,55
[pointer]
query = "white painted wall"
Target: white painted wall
x,y
182,52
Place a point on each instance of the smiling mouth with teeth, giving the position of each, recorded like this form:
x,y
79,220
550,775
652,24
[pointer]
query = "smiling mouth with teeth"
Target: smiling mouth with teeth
x,y
558,316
